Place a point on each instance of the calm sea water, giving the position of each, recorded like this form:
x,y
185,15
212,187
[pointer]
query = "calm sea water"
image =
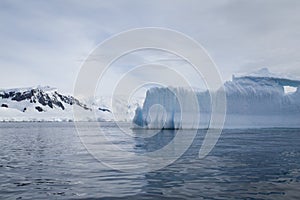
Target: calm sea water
x,y
48,161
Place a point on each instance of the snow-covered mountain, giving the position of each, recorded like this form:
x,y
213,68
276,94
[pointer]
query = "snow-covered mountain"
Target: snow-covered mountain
x,y
42,98
42,104
48,104
258,99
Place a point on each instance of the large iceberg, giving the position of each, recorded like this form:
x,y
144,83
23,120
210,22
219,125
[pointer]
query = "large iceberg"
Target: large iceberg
x,y
254,100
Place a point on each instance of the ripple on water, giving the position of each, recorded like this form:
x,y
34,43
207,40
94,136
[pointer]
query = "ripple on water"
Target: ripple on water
x,y
48,161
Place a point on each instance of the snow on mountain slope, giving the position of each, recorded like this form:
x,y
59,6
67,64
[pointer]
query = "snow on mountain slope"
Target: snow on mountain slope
x,y
40,104
44,98
121,108
255,100
47,104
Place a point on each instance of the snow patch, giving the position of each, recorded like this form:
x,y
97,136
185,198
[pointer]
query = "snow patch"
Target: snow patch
x,y
289,89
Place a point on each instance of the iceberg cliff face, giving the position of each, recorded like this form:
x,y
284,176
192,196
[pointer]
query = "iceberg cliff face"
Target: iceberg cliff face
x,y
171,108
252,101
261,96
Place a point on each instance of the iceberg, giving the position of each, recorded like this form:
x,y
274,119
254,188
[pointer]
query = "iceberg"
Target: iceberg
x,y
172,108
255,100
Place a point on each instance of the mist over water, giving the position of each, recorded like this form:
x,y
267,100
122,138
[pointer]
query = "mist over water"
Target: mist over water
x,y
47,160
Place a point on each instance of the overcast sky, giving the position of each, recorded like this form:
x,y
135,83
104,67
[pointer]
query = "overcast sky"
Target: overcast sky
x,y
45,42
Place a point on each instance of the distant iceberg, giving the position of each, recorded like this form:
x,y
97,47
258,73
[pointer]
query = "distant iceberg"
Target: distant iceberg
x,y
255,100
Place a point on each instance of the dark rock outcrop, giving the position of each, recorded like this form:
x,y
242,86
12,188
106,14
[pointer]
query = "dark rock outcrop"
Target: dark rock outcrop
x,y
4,105
38,108
104,110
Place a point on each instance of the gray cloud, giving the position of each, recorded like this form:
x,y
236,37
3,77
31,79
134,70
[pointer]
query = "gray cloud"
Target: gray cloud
x,y
44,42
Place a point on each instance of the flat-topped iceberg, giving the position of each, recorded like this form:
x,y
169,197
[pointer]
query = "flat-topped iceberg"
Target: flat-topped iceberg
x,y
252,101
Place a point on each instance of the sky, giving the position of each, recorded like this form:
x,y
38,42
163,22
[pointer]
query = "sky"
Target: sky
x,y
46,42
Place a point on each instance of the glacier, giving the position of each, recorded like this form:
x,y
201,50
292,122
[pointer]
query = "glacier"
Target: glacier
x,y
253,100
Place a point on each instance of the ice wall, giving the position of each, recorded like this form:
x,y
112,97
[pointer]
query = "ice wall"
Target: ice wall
x,y
251,102
261,96
172,108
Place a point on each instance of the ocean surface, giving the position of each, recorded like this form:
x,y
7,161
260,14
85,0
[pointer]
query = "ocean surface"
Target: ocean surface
x,y
48,161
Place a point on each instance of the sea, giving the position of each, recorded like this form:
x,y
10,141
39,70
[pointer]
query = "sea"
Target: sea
x,y
50,160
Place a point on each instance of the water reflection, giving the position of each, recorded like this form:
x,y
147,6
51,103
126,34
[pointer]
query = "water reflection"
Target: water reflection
x,y
152,140
48,161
